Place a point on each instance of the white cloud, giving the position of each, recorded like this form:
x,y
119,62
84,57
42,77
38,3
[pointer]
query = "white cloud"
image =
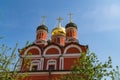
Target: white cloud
x,y
112,10
106,18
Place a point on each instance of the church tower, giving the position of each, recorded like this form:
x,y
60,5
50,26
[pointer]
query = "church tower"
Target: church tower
x,y
41,33
49,59
58,34
71,31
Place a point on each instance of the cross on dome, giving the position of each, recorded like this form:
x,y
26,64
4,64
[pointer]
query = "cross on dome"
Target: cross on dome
x,y
43,20
70,14
59,20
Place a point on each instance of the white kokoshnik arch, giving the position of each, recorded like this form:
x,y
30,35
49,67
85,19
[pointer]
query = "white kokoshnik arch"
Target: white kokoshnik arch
x,y
69,46
32,47
51,55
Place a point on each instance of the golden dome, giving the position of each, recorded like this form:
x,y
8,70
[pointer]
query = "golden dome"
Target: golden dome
x,y
58,31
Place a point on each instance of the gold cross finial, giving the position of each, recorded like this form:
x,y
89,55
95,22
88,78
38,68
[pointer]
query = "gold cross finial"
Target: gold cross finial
x,y
59,20
43,19
70,14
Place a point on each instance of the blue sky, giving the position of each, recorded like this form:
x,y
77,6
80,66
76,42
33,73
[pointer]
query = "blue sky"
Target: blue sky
x,y
98,22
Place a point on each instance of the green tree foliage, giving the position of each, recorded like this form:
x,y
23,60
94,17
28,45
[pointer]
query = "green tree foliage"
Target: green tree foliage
x,y
88,67
8,70
117,73
7,59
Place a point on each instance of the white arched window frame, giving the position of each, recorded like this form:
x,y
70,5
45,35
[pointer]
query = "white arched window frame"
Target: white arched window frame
x,y
51,62
35,63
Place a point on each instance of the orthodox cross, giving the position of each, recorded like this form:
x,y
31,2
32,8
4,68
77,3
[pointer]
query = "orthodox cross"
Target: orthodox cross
x,y
43,19
59,20
70,14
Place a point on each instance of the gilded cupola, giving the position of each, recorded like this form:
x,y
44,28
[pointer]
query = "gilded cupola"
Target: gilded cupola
x,y
59,30
59,34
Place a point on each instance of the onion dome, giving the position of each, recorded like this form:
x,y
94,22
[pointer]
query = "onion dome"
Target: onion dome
x,y
43,27
59,30
71,24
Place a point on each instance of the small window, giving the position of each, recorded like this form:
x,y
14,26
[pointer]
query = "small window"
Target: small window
x,y
51,67
58,40
34,68
70,33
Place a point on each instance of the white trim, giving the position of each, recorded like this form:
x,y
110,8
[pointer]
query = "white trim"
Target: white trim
x,y
51,62
69,46
25,53
61,64
41,30
42,41
35,62
31,56
52,55
71,55
69,38
44,73
42,63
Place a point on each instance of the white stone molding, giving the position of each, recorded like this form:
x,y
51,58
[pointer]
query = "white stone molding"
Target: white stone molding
x,y
41,30
42,63
61,64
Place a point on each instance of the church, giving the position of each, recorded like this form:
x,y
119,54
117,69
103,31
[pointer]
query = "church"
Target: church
x,y
48,59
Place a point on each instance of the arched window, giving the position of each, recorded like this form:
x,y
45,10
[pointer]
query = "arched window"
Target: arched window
x,y
51,65
42,34
58,40
70,33
35,65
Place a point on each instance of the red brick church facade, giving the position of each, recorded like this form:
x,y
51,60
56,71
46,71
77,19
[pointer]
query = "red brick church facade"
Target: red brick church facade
x,y
46,59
